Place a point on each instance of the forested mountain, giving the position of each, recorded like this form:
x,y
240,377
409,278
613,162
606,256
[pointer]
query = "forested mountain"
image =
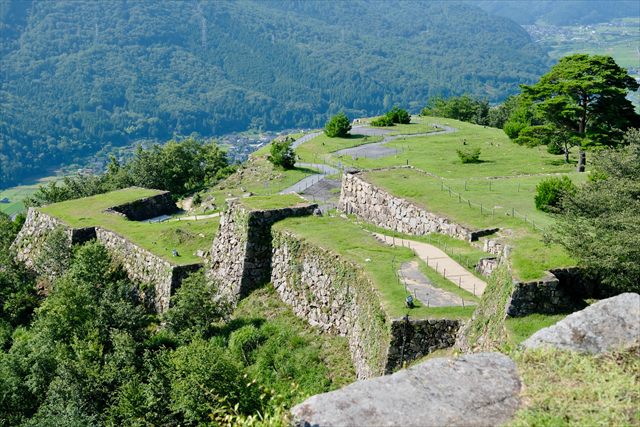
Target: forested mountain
x,y
79,75
566,12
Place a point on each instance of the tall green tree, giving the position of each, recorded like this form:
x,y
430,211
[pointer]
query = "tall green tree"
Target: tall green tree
x,y
586,96
600,222
338,126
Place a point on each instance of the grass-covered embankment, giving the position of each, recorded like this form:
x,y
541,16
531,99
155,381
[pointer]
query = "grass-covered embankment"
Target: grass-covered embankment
x,y
378,261
159,238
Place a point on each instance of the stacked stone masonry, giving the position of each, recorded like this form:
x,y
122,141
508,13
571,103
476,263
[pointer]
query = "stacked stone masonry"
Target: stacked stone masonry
x,y
337,297
149,207
145,267
140,264
241,251
381,208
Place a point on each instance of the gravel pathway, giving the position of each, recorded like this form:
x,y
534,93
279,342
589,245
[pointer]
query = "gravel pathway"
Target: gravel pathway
x,y
441,262
423,289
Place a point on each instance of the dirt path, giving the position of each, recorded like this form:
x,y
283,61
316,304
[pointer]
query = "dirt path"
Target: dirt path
x,y
376,150
441,262
310,180
422,288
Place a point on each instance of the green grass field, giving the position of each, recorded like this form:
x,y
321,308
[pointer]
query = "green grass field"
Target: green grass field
x,y
159,238
498,192
531,256
17,195
276,201
357,245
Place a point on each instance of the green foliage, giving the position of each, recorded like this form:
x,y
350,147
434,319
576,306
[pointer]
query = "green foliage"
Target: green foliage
x,y
463,108
54,257
282,154
399,115
18,296
586,95
338,126
195,307
550,192
92,355
382,121
206,379
125,75
469,155
600,224
532,136
181,167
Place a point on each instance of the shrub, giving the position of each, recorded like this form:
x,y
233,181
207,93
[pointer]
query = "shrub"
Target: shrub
x,y
245,341
338,126
399,115
550,191
555,148
513,127
282,154
532,136
382,121
469,155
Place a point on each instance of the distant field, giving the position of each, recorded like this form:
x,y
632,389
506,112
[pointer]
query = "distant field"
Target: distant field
x,y
16,195
159,238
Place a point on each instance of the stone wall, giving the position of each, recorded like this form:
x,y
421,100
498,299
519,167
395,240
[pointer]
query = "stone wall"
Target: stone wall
x,y
381,208
547,296
140,264
413,339
37,227
485,266
241,251
337,297
146,267
149,207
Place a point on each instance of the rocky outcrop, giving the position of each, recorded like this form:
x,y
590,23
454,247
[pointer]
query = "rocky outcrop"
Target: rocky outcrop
x,y
149,207
381,208
610,324
241,251
473,390
141,265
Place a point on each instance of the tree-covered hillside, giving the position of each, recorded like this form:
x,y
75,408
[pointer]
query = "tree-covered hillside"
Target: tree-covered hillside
x,y
79,75
566,12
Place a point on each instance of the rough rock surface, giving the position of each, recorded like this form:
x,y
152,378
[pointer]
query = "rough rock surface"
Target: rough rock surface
x,y
379,207
474,390
606,325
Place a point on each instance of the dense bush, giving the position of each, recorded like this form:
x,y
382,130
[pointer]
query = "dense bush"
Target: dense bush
x,y
463,108
338,126
92,354
382,121
181,167
399,115
550,191
599,224
469,155
282,154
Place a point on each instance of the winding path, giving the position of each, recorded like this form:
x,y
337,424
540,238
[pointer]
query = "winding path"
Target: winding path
x,y
310,180
441,262
376,150
372,150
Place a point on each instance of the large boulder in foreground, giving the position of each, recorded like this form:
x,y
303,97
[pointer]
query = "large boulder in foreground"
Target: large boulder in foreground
x,y
610,324
473,390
